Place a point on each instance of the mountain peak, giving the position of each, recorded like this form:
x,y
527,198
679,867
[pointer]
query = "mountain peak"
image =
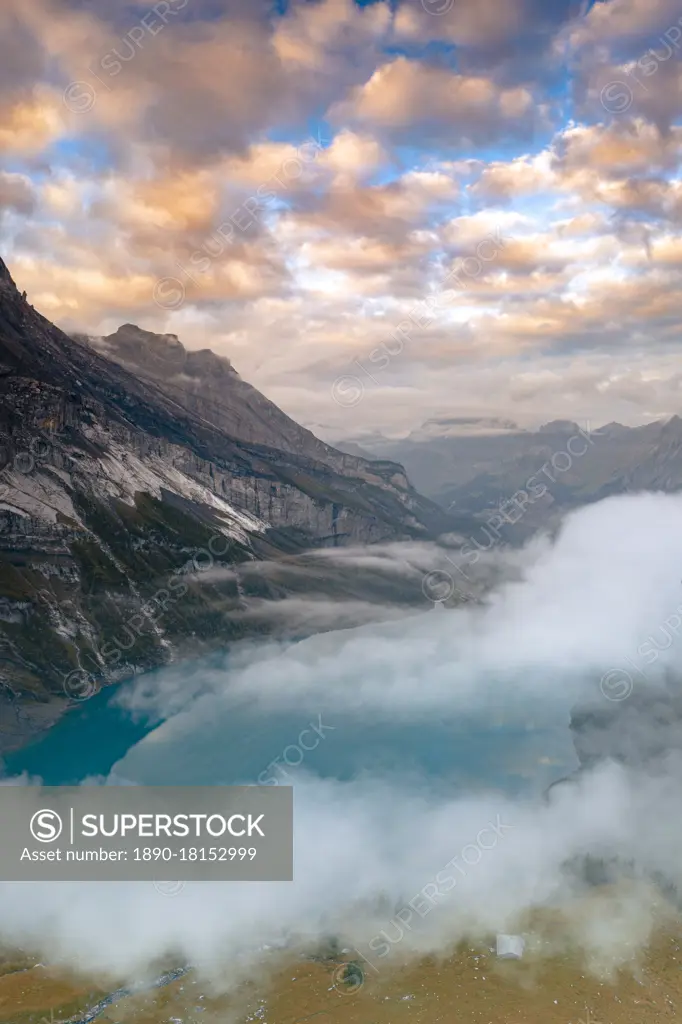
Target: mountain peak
x,y
614,429
134,331
133,334
559,427
138,349
8,284
162,355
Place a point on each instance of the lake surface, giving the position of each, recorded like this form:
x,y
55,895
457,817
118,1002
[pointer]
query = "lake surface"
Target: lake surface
x,y
206,743
88,740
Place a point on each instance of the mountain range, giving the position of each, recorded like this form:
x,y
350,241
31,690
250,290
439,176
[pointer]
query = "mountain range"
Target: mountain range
x,y
482,469
150,499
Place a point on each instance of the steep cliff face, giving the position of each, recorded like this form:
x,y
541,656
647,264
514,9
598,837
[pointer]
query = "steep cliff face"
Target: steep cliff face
x,y
115,497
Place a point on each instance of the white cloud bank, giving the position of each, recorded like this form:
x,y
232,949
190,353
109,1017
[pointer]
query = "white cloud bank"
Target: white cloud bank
x,y
393,863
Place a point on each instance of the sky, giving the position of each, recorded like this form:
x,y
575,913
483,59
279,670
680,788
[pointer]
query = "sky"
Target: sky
x,y
380,212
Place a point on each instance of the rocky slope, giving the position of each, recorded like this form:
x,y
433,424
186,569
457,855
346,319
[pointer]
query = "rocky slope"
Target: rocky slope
x,y
208,384
115,500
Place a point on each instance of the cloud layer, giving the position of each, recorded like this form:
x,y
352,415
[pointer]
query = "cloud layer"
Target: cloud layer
x,y
397,860
316,176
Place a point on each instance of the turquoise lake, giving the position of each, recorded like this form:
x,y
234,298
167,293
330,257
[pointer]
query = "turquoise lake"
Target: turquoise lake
x,y
97,737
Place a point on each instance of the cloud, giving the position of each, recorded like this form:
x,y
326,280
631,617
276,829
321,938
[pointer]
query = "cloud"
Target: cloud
x,y
474,655
178,142
627,61
320,37
629,21
170,71
500,181
470,24
29,123
619,149
352,157
16,193
411,94
22,59
514,41
366,865
570,611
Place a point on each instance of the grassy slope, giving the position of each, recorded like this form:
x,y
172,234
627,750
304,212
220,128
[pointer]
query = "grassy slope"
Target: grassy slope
x,y
470,986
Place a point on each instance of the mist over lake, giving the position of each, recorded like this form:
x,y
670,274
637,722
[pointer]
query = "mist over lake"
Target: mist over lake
x,y
134,732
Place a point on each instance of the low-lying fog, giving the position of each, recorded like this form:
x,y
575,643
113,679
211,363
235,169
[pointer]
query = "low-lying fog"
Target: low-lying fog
x,y
391,852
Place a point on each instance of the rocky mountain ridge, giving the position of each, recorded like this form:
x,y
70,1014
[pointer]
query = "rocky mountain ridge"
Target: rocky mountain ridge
x,y
116,496
208,384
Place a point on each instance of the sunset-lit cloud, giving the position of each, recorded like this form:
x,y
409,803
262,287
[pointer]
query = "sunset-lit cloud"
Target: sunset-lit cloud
x,y
406,94
288,185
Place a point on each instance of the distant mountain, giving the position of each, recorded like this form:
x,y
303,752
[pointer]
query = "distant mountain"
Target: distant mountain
x,y
462,426
117,488
560,466
351,448
558,427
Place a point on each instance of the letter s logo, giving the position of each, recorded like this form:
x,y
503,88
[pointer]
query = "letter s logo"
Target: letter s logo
x,y
46,826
